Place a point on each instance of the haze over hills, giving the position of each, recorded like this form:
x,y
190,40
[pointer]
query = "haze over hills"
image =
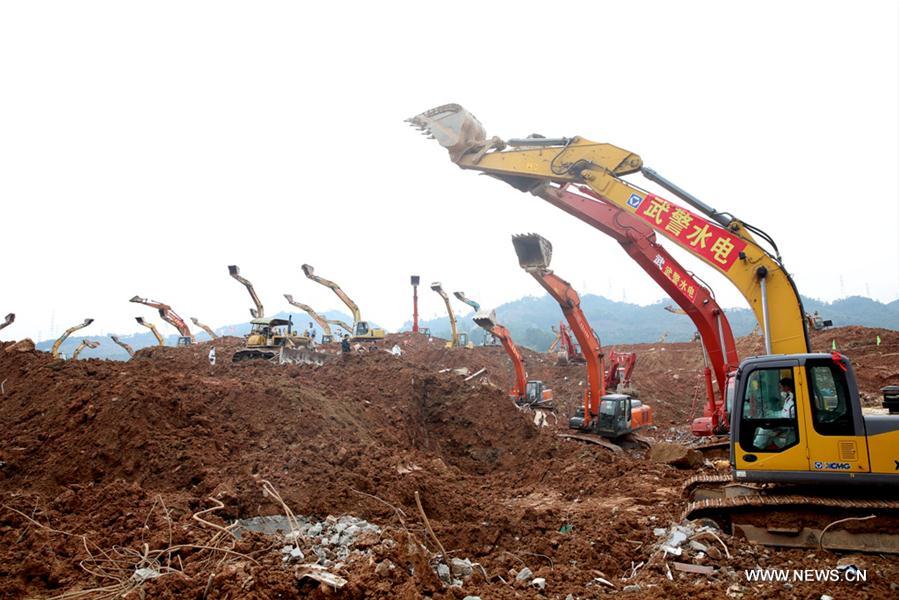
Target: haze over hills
x,y
530,320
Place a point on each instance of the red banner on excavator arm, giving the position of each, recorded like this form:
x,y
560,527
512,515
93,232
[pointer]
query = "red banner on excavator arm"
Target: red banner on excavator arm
x,y
684,282
716,244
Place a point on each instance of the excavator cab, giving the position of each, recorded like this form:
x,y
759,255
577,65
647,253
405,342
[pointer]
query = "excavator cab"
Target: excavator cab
x,y
619,415
535,394
365,332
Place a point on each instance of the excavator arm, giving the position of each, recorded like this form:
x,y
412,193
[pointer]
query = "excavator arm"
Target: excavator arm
x,y
722,241
54,351
8,320
151,327
621,368
637,238
127,347
449,310
461,297
84,344
167,314
534,255
343,324
209,331
322,322
309,271
259,311
488,322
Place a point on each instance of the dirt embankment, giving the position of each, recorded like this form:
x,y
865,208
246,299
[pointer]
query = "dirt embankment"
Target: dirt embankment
x,y
106,463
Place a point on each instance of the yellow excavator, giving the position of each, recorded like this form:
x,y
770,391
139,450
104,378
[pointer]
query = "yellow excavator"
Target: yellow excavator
x,y
342,324
84,344
272,338
159,339
327,337
458,339
54,351
362,330
799,441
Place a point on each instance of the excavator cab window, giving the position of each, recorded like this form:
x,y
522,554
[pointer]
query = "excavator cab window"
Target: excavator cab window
x,y
830,399
361,328
768,421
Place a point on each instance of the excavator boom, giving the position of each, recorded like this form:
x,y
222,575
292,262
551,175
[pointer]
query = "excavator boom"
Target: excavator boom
x,y
461,297
449,310
309,271
534,255
259,311
168,315
721,241
637,238
322,322
84,344
8,320
343,324
55,350
209,331
152,328
487,321
127,347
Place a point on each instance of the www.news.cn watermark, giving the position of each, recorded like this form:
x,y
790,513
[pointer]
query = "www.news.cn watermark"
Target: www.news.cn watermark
x,y
849,574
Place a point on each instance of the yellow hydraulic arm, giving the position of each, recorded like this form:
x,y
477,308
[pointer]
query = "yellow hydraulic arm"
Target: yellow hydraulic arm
x,y
449,309
54,351
309,271
322,322
257,312
340,323
127,347
719,239
206,328
152,328
84,344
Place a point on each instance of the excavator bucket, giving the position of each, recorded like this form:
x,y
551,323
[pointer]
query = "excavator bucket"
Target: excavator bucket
x,y
437,287
308,270
453,127
8,320
233,271
534,251
486,319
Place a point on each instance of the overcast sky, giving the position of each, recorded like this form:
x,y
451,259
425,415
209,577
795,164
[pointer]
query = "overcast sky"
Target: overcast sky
x,y
146,146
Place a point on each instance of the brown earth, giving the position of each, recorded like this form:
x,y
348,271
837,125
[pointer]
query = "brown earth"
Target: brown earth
x,y
106,465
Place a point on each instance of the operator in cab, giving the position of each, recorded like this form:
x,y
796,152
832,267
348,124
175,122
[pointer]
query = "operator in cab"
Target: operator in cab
x,y
779,437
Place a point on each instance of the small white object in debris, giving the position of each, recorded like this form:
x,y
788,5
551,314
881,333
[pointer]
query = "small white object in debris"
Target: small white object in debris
x,y
539,583
297,553
826,597
659,531
443,572
524,575
145,573
460,568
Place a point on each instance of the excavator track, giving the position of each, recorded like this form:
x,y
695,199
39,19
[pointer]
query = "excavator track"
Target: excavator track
x,y
798,521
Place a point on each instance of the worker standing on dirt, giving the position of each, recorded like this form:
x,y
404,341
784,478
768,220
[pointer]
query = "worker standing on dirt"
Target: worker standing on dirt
x,y
345,344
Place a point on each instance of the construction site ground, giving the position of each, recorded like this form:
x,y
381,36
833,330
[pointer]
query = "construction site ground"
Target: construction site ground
x,y
122,479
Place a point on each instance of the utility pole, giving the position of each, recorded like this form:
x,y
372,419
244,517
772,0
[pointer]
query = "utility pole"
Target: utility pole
x,y
415,281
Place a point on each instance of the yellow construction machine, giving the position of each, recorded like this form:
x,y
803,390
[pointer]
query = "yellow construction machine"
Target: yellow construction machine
x,y
273,339
362,331
159,339
458,339
55,350
799,441
327,336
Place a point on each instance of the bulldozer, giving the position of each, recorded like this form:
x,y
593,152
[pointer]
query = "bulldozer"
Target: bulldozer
x,y
273,339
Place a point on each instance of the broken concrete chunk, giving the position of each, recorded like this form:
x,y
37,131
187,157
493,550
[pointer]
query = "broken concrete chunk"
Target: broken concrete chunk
x,y
460,568
524,575
443,572
632,589
539,583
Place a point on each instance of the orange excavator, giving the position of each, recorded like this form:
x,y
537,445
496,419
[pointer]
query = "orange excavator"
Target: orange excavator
x,y
621,368
531,394
570,353
609,415
185,337
694,298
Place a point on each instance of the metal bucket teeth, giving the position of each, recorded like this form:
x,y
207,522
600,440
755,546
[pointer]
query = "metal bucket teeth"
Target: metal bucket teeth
x,y
485,319
453,127
533,250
